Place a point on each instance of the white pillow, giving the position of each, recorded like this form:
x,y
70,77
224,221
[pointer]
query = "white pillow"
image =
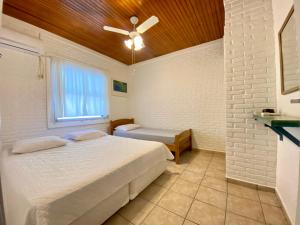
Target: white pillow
x,y
83,135
128,127
37,144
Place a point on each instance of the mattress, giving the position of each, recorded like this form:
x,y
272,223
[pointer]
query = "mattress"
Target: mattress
x,y
104,209
59,185
137,185
150,134
112,204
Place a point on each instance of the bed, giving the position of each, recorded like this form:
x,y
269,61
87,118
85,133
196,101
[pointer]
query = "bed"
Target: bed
x,y
176,141
80,183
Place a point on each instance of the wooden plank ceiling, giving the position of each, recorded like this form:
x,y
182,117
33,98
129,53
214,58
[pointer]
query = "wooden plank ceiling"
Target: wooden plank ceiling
x,y
183,23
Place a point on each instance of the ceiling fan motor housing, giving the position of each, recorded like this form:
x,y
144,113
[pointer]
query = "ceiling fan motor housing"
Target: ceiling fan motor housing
x,y
133,34
134,20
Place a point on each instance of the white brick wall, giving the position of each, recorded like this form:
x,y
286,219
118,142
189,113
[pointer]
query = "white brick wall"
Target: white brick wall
x,y
250,86
183,90
23,105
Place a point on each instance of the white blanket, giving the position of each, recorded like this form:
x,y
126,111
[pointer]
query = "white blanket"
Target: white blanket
x,y
57,186
150,134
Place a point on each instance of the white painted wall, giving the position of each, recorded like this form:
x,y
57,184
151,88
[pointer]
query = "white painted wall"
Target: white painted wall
x,y
23,94
1,7
297,11
183,90
1,201
288,154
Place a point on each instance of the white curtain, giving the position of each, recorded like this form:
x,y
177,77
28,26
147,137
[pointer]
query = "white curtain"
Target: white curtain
x,y
78,91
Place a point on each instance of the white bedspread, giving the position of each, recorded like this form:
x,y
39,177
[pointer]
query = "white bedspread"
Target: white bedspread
x,y
150,134
56,186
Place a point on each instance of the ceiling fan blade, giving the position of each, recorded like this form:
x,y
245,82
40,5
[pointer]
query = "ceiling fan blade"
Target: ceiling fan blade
x,y
147,24
116,30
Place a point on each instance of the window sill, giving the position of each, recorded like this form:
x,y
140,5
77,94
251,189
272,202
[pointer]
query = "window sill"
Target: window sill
x,y
73,123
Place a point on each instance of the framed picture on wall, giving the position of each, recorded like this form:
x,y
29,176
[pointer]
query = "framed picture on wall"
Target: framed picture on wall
x,y
119,88
289,57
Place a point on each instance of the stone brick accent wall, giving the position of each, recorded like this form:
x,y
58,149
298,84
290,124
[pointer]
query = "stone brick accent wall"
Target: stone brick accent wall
x,y
250,86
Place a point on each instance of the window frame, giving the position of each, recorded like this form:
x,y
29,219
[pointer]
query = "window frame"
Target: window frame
x,y
78,121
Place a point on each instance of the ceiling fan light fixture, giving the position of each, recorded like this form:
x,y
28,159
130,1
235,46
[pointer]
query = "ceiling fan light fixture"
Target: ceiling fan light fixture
x,y
128,43
138,43
135,43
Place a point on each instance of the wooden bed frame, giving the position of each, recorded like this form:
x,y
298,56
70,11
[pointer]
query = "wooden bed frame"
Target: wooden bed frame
x,y
183,141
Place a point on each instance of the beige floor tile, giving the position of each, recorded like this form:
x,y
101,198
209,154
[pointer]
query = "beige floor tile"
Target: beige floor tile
x,y
203,155
273,215
185,187
217,165
197,168
233,219
185,160
166,180
195,151
187,222
136,211
201,160
220,155
206,153
191,154
243,192
269,198
205,214
186,157
176,203
160,216
211,196
153,193
192,176
244,207
218,184
117,220
211,172
176,168
220,162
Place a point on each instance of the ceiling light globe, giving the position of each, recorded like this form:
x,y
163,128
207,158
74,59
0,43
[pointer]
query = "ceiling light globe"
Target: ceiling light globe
x,y
128,43
138,43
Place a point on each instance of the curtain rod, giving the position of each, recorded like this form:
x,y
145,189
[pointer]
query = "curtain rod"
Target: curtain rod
x,y
54,55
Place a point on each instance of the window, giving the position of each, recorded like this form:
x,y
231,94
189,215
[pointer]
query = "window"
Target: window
x,y
78,93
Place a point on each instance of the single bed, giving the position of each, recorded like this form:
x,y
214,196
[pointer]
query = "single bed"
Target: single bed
x,y
81,183
177,141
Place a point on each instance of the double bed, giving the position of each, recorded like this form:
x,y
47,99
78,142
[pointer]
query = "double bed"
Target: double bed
x,y
80,183
177,141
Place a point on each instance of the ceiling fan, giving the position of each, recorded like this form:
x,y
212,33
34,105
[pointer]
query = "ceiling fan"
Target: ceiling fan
x,y
136,41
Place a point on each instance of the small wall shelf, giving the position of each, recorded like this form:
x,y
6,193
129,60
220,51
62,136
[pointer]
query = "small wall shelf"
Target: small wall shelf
x,y
276,123
295,101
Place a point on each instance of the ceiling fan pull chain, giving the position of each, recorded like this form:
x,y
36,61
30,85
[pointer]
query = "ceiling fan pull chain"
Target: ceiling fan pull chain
x,y
132,58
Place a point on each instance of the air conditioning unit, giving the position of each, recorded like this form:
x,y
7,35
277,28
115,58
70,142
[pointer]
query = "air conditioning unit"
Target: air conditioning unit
x,y
14,40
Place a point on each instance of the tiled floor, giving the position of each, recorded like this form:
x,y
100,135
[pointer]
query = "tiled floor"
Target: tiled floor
x,y
196,192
